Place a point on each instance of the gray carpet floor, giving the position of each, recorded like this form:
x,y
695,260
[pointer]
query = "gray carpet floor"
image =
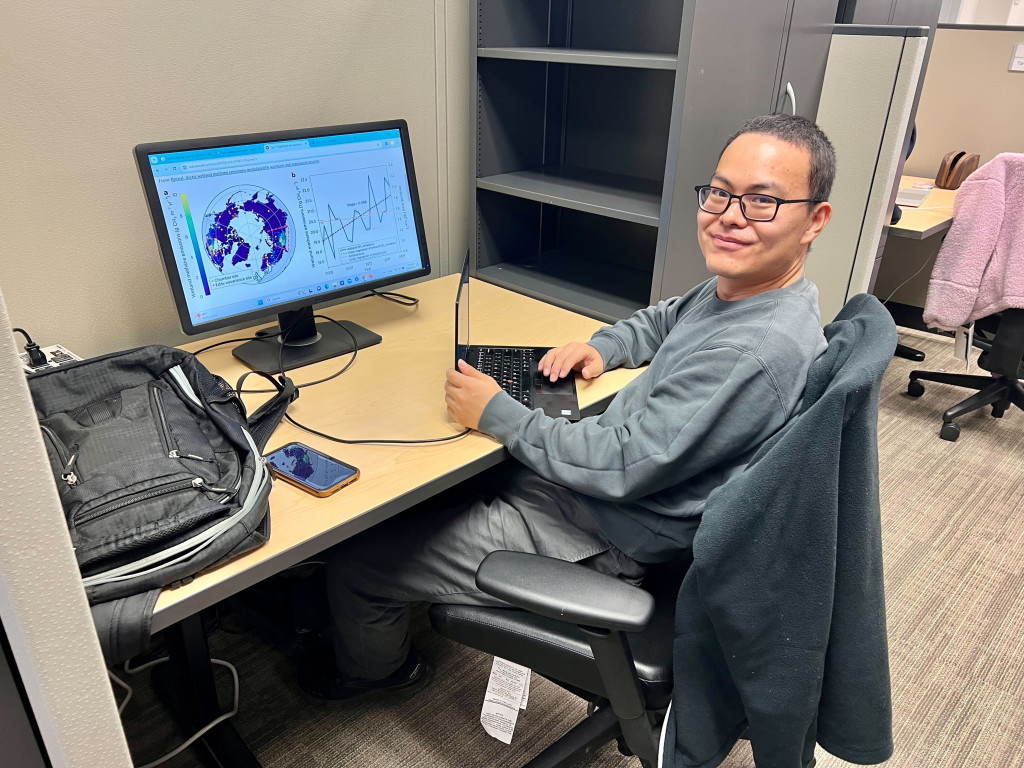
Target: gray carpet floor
x,y
953,526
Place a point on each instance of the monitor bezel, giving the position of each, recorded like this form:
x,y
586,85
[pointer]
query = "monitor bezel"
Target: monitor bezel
x,y
142,153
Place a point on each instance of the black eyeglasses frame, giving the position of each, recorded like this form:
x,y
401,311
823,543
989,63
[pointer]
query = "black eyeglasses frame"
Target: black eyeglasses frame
x,y
743,208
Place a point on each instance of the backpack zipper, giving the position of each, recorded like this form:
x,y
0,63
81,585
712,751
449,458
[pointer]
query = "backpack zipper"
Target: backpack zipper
x,y
104,509
172,453
58,444
180,485
68,475
176,454
201,485
165,432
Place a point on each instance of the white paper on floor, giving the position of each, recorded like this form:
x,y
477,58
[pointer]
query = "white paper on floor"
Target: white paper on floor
x,y
508,690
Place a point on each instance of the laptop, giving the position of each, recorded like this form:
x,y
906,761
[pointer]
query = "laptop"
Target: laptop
x,y
514,368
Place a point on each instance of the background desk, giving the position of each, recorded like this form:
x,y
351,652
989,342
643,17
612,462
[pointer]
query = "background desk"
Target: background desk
x,y
932,217
394,390
906,266
909,255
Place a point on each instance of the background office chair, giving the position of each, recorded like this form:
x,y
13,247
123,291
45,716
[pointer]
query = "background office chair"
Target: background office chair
x,y
572,624
979,272
1002,355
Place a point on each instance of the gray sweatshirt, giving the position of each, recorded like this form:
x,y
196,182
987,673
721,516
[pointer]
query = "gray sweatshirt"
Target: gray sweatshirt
x,y
723,377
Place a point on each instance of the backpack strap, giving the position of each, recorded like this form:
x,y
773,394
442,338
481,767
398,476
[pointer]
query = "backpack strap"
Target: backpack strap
x,y
264,420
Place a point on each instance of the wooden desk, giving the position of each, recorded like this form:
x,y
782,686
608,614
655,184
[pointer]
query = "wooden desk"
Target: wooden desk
x,y
932,217
394,390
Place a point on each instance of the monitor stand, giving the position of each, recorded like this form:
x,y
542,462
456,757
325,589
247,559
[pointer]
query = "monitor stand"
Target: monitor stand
x,y
308,342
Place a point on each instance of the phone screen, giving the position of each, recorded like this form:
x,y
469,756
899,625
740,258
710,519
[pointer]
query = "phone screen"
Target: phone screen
x,y
309,467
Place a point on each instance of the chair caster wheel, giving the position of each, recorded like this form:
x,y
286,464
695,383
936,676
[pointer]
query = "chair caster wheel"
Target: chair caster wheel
x,y
915,388
623,749
997,412
950,431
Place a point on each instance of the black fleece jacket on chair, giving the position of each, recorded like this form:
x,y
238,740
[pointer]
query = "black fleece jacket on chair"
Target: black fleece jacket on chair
x,y
780,621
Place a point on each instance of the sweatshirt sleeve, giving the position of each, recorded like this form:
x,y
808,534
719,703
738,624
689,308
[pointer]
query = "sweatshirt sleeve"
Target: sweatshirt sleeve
x,y
716,404
635,340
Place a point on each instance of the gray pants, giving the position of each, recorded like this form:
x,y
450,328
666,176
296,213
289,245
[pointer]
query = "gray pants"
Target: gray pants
x,y
431,554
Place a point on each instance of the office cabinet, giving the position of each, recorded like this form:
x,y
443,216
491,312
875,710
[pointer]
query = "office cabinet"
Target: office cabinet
x,y
595,118
807,44
897,12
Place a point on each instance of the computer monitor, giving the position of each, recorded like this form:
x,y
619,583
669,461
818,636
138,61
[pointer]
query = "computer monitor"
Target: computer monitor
x,y
272,223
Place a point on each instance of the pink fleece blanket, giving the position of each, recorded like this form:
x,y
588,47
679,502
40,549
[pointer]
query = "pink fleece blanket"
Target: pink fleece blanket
x,y
980,267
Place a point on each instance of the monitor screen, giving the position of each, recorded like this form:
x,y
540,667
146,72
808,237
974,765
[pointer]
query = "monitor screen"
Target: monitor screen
x,y
257,225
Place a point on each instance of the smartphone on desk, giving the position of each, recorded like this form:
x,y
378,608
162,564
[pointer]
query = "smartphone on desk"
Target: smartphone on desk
x,y
310,470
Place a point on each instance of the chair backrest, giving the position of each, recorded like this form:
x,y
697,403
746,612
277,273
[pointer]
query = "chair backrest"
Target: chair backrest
x,y
979,269
1005,357
780,621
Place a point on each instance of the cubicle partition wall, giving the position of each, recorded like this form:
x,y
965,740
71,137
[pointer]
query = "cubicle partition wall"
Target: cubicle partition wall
x,y
867,106
54,653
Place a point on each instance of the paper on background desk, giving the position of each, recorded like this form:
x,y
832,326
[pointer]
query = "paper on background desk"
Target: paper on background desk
x,y
508,690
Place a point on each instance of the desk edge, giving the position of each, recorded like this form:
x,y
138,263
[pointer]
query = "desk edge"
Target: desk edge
x,y
264,569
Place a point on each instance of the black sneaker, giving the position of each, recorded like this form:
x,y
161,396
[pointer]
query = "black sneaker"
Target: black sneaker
x,y
329,685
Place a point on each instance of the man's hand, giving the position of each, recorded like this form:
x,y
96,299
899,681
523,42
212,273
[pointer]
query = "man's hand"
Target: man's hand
x,y
467,393
575,355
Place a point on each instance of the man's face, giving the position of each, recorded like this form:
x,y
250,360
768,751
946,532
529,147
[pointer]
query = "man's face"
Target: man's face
x,y
752,256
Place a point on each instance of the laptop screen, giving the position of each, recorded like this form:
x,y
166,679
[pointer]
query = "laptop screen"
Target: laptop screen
x,y
462,314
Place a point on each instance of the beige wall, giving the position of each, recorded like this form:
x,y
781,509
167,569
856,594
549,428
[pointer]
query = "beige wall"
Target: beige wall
x,y
992,11
969,101
84,82
81,84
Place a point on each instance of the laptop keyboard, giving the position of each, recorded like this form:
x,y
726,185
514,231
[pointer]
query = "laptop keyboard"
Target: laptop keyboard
x,y
511,368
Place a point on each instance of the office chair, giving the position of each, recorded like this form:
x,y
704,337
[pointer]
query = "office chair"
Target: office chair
x,y
570,627
978,273
613,644
1001,357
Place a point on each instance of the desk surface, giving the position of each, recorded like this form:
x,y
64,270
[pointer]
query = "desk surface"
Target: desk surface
x,y
394,390
933,216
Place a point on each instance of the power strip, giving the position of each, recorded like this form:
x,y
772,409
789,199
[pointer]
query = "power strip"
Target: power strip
x,y
56,356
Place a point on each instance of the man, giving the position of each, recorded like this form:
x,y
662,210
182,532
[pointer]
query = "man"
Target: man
x,y
727,367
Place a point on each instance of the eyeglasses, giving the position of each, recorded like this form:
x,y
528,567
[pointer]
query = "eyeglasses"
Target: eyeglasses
x,y
754,206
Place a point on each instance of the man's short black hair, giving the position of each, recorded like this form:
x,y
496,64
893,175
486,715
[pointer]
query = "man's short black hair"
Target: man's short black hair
x,y
800,132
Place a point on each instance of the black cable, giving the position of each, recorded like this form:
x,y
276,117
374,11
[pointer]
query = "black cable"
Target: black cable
x,y
382,441
348,365
398,298
36,356
28,339
280,362
261,335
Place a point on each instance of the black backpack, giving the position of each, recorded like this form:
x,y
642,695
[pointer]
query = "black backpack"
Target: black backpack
x,y
160,475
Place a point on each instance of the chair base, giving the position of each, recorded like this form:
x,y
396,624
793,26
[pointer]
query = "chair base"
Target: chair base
x,y
581,740
998,391
908,353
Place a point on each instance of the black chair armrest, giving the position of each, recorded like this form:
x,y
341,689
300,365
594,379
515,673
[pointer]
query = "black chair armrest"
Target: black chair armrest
x,y
565,591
